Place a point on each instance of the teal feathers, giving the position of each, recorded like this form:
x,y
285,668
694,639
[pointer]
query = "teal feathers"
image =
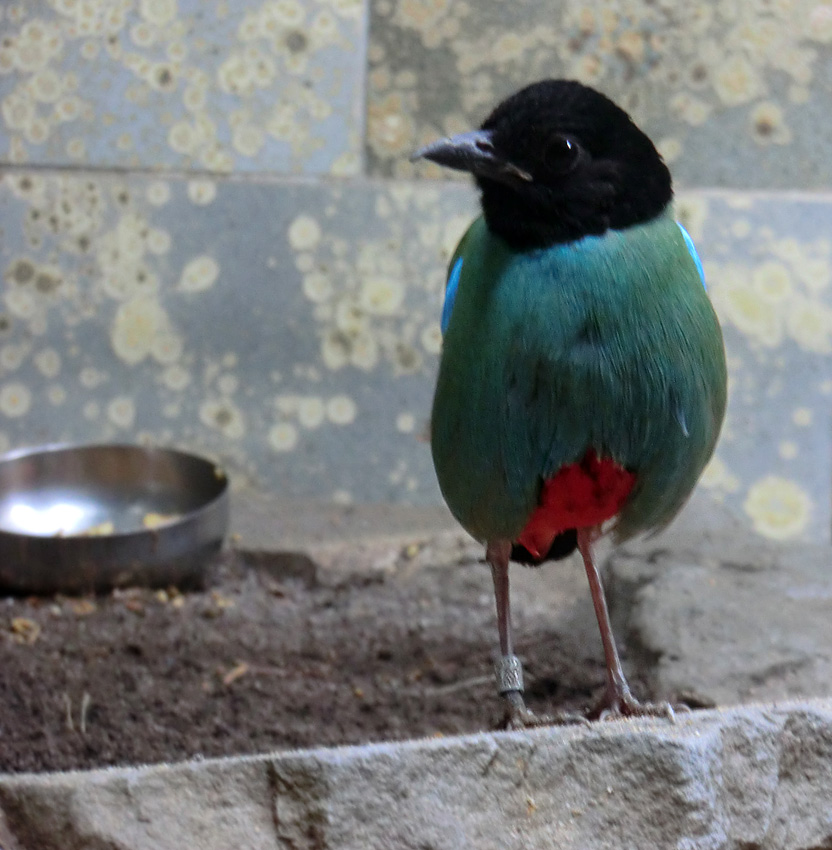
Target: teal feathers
x,y
608,343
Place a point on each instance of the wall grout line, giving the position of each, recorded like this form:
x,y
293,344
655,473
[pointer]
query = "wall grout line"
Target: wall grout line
x,y
823,195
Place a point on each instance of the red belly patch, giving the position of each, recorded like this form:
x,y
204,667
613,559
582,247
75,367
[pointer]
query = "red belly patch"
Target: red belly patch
x,y
581,495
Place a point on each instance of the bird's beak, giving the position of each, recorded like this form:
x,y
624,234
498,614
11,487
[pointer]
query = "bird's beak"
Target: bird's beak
x,y
473,152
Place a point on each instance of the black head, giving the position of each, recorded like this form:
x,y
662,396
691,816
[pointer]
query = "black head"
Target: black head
x,y
558,161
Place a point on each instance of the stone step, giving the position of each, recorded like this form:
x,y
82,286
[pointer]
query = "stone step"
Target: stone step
x,y
710,614
758,776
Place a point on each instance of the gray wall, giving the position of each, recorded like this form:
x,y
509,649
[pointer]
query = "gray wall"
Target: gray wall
x,y
211,237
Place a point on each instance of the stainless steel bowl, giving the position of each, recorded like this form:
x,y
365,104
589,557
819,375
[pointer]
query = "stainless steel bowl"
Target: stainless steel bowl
x,y
80,518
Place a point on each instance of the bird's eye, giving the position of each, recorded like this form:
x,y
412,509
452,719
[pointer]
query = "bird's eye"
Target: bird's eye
x,y
561,154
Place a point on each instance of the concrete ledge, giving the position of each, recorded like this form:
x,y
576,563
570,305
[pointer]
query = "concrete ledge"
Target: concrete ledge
x,y
327,543
751,777
262,522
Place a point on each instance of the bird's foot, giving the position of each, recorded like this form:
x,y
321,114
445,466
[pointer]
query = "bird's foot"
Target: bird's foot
x,y
517,716
619,702
509,672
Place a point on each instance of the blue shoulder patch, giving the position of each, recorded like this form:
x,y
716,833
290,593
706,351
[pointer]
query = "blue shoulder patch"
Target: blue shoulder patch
x,y
692,251
450,294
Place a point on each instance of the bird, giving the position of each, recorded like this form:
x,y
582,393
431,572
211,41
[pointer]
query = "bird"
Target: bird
x,y
582,382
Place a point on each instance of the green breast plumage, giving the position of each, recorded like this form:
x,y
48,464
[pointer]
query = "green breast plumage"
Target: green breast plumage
x,y
607,343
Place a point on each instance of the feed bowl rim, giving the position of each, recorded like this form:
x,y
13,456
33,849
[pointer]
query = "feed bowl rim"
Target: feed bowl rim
x,y
181,519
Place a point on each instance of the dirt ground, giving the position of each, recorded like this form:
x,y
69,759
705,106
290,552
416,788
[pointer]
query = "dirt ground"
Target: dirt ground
x,y
258,662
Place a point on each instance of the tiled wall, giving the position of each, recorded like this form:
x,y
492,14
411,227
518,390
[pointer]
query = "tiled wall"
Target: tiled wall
x,y
211,237
189,85
734,92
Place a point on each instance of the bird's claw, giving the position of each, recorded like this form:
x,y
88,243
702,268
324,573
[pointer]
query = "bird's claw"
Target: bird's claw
x,y
527,719
617,705
518,717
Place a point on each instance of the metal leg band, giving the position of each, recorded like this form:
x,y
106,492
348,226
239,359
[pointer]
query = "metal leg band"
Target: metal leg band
x,y
509,672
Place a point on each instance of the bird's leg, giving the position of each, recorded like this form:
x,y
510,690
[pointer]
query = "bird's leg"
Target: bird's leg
x,y
619,700
509,670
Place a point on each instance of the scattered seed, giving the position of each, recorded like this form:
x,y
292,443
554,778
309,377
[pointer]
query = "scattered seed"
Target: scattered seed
x,y
24,630
275,588
153,520
82,607
102,529
221,601
235,673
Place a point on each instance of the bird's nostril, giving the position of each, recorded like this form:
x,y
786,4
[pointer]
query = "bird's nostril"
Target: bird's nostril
x,y
485,147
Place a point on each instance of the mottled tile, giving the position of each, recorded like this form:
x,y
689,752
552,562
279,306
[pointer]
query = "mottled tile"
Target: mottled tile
x,y
768,262
291,330
734,93
268,85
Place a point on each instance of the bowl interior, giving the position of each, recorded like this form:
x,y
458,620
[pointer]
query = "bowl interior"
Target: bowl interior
x,y
102,490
